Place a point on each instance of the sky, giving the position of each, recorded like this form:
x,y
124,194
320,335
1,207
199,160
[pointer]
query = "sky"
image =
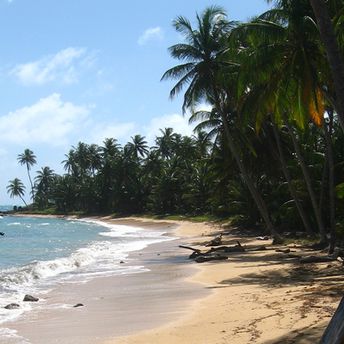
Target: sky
x,y
86,70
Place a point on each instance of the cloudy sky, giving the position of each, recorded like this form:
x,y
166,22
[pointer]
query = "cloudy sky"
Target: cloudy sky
x,y
84,70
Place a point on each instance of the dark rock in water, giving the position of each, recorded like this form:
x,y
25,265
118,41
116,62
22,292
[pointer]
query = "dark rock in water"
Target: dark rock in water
x,y
30,298
121,262
78,305
12,306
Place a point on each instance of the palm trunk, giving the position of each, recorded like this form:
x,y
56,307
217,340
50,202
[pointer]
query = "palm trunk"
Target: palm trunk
x,y
323,184
291,188
307,177
333,53
23,200
260,203
258,199
32,189
331,186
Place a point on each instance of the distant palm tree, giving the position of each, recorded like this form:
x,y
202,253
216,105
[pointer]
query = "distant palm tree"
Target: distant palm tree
x,y
44,178
28,158
140,145
44,182
166,142
70,163
16,189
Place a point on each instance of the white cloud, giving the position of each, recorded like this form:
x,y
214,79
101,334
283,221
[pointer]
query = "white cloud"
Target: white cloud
x,y
117,130
63,67
122,131
154,33
49,121
177,122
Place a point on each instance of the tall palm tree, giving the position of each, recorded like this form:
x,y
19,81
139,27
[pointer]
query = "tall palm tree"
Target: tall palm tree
x,y
28,159
16,188
282,46
203,73
334,55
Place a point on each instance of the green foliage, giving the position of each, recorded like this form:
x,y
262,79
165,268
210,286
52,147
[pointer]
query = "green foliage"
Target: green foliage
x,y
340,190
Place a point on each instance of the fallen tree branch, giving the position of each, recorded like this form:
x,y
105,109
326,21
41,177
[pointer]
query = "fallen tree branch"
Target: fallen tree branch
x,y
190,248
207,258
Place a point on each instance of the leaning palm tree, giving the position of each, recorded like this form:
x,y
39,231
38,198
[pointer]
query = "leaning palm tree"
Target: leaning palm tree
x,y
290,77
334,55
205,73
16,188
28,158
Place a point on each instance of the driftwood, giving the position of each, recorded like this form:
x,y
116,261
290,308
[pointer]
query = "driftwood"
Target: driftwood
x,y
217,241
228,249
209,257
334,333
190,248
316,259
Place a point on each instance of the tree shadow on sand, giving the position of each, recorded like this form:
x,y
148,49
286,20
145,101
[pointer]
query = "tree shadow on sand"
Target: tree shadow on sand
x,y
305,335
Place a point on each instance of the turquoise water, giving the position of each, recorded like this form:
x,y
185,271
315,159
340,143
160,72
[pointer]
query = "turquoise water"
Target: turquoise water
x,y
32,239
36,254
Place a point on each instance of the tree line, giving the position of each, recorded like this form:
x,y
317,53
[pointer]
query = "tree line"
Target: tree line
x,y
269,151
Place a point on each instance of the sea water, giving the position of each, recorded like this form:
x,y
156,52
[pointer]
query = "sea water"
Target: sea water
x,y
36,254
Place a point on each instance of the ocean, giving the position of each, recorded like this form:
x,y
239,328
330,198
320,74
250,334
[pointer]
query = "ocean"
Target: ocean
x,y
37,254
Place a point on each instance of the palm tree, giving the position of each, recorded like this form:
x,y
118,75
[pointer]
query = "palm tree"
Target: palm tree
x,y
16,189
138,146
282,46
203,73
334,55
29,159
44,182
70,163
165,143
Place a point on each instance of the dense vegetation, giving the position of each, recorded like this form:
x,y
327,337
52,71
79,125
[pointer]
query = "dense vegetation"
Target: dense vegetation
x,y
270,152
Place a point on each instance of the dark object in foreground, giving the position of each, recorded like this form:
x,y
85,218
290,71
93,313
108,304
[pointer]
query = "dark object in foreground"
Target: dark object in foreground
x,y
2,233
12,306
334,333
29,298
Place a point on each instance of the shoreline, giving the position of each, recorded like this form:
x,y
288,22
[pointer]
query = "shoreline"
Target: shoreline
x,y
116,305
254,297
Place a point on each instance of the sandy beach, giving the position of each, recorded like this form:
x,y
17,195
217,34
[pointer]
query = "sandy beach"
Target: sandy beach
x,y
254,297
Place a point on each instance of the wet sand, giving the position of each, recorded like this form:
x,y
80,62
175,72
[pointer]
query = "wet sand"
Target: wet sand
x,y
117,305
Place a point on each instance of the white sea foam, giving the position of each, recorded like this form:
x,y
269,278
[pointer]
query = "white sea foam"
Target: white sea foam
x,y
99,258
9,336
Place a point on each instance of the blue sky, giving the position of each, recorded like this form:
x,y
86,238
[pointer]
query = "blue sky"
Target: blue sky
x,y
84,70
